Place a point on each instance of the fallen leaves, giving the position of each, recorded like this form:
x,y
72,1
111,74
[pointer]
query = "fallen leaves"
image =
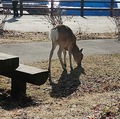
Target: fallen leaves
x,y
95,95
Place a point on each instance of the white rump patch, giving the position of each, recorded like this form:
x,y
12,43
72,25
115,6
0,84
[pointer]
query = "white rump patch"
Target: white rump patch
x,y
53,35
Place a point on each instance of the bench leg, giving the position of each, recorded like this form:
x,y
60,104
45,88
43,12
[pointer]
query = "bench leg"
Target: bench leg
x,y
18,88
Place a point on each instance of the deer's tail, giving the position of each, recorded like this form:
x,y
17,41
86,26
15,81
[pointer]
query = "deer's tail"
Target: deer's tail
x,y
53,35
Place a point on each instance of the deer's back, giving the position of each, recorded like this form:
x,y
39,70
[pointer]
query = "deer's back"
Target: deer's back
x,y
63,36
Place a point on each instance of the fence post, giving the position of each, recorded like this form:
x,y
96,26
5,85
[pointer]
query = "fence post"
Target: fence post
x,y
111,8
52,2
21,7
82,8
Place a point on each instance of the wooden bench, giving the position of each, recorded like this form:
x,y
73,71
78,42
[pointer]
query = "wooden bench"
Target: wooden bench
x,y
20,74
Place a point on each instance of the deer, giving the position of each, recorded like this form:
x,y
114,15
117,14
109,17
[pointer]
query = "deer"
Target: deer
x,y
64,37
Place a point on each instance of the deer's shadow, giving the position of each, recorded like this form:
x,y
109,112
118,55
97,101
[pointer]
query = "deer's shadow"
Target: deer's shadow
x,y
67,83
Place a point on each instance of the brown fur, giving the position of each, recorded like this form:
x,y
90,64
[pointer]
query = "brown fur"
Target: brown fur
x,y
64,37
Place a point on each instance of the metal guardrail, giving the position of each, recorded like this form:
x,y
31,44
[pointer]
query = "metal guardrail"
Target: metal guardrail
x,y
82,8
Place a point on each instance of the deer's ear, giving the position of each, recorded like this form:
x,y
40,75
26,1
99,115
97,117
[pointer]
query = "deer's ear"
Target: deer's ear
x,y
81,50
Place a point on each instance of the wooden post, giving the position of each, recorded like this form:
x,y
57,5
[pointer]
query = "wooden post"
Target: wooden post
x,y
111,8
21,7
18,88
52,3
82,8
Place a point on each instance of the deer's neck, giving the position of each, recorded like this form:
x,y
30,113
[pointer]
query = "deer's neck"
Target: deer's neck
x,y
75,51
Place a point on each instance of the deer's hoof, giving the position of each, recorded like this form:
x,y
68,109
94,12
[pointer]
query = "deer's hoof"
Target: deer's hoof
x,y
65,65
49,70
71,68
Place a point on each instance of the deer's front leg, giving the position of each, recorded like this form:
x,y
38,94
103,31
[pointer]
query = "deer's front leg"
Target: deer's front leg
x,y
60,58
70,59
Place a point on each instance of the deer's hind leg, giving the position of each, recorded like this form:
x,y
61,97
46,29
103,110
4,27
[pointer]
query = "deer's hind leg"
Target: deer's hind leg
x,y
51,54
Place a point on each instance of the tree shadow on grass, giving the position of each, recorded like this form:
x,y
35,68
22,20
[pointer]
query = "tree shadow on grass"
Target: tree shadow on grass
x,y
8,103
67,84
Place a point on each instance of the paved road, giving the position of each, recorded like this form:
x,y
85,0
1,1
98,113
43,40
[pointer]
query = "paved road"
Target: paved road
x,y
37,51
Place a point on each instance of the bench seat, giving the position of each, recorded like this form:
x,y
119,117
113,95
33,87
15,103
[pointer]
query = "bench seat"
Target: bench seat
x,y
31,74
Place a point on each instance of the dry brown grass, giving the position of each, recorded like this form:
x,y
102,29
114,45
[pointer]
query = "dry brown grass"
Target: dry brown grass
x,y
15,37
20,37
72,94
